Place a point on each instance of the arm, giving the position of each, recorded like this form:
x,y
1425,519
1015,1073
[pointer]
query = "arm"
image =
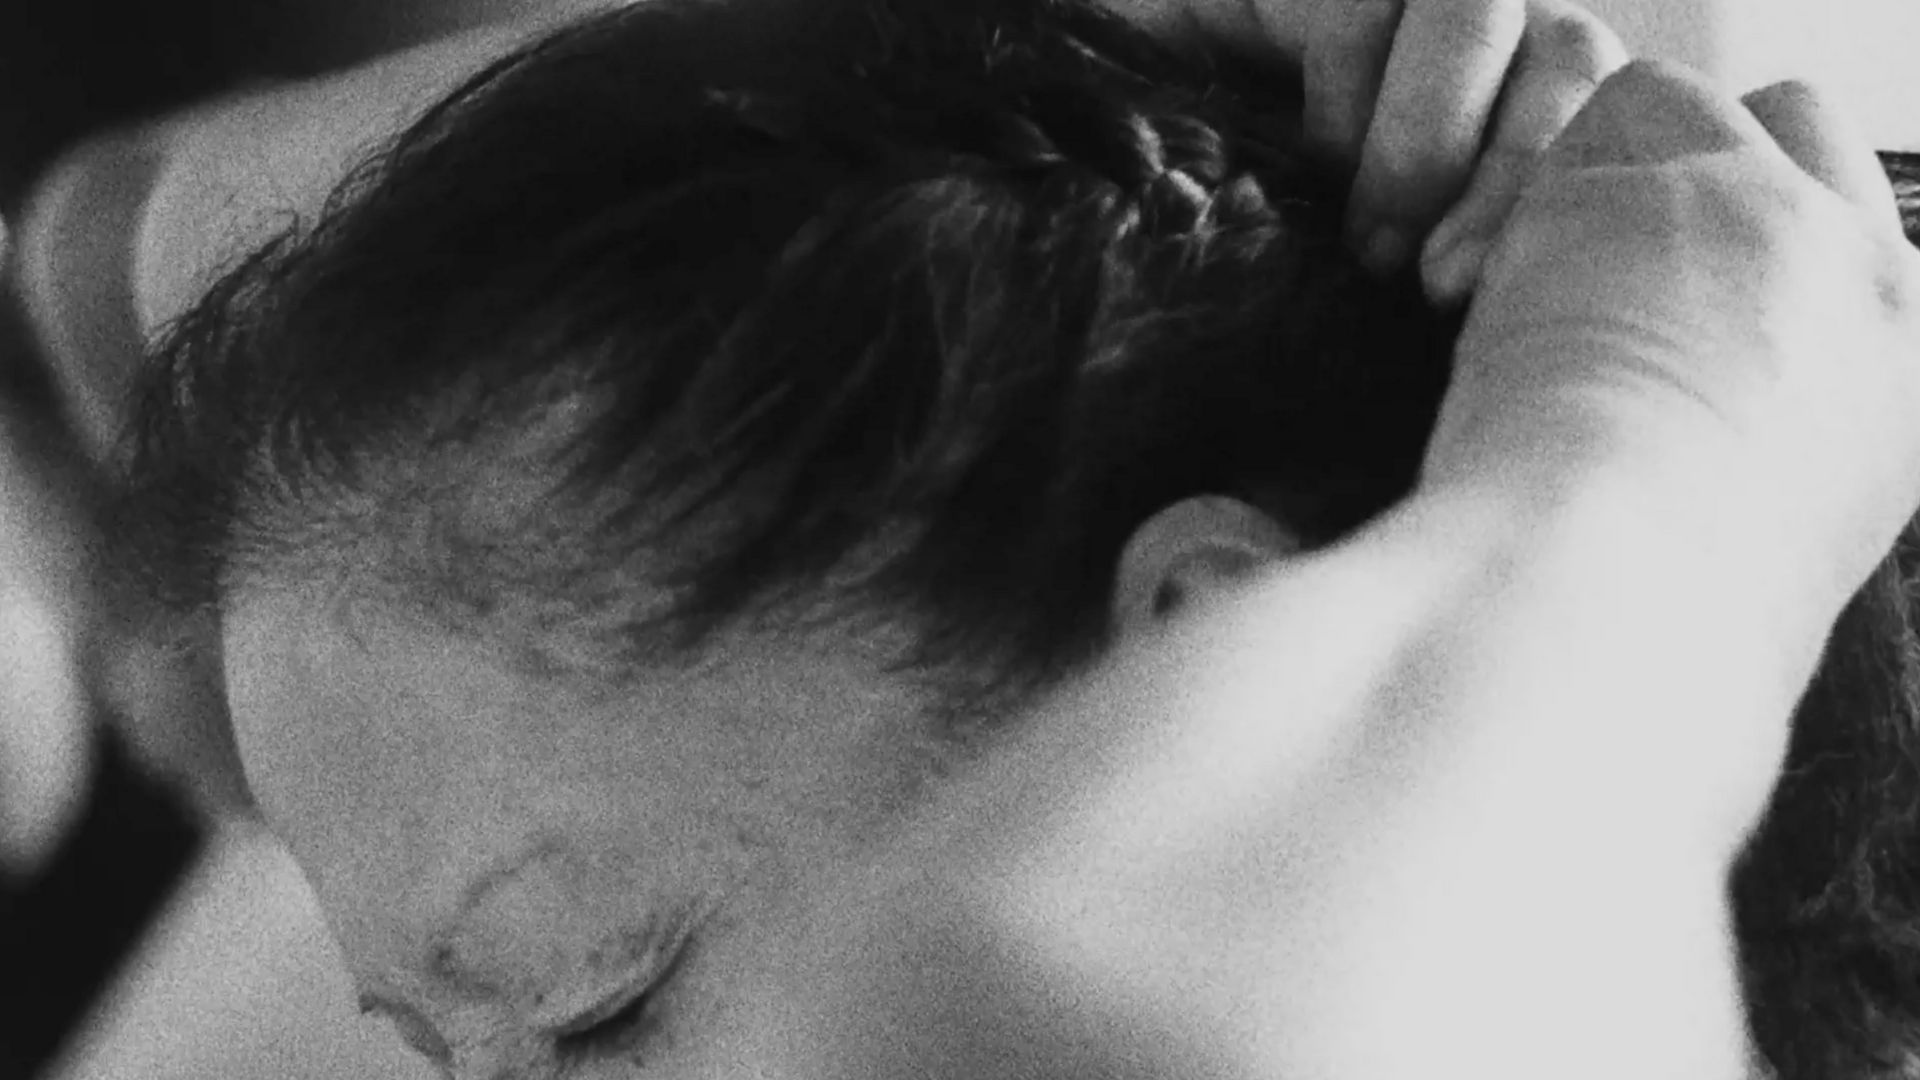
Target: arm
x,y
1459,796
1453,799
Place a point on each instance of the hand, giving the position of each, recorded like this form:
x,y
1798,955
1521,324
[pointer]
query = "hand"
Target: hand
x,y
1446,105
1443,106
1714,305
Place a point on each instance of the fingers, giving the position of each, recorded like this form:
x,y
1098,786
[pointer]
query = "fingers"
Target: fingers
x,y
1448,61
1348,42
1564,58
1651,112
1825,143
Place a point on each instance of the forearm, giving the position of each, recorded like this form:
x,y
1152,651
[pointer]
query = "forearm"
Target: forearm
x,y
1468,630
1452,799
1519,854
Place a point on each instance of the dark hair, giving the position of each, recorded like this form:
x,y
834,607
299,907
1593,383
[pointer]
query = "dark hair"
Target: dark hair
x,y
959,293
1903,172
910,307
1826,898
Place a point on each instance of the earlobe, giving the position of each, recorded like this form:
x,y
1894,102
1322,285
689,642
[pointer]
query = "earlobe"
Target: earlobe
x,y
1190,553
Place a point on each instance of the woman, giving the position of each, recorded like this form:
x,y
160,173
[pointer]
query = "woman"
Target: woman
x,y
1782,113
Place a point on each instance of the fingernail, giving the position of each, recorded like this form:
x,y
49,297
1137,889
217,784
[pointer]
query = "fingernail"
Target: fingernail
x,y
1444,238
1455,273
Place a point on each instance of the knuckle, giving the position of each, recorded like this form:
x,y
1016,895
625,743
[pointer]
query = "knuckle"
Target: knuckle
x,y
1478,27
1343,27
1654,95
1793,95
1645,75
1578,41
1798,90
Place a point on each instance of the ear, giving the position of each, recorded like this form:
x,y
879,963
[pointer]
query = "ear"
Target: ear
x,y
1192,552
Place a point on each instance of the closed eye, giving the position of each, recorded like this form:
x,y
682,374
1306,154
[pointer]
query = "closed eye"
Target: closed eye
x,y
625,1031
412,1027
616,1032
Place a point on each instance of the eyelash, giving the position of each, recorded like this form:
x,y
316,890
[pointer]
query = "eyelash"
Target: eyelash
x,y
624,1034
619,1034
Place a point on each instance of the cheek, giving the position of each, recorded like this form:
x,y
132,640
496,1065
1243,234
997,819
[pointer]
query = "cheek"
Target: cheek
x,y
334,781
310,784
168,682
752,964
268,724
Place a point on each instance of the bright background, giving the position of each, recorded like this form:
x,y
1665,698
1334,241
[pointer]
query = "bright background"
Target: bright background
x,y
1866,53
239,982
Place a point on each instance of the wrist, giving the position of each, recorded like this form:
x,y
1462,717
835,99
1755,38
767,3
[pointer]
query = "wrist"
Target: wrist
x,y
1701,558
1614,639
1620,474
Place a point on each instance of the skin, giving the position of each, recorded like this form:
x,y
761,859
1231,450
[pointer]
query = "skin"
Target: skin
x,y
493,849
44,752
1443,106
1452,127
1440,104
411,773
1446,105
1449,692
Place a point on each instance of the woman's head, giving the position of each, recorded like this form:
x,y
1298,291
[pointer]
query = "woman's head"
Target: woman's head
x,y
997,281
704,429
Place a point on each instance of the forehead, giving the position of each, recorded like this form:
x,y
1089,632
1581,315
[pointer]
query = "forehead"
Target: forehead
x,y
395,755
367,672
